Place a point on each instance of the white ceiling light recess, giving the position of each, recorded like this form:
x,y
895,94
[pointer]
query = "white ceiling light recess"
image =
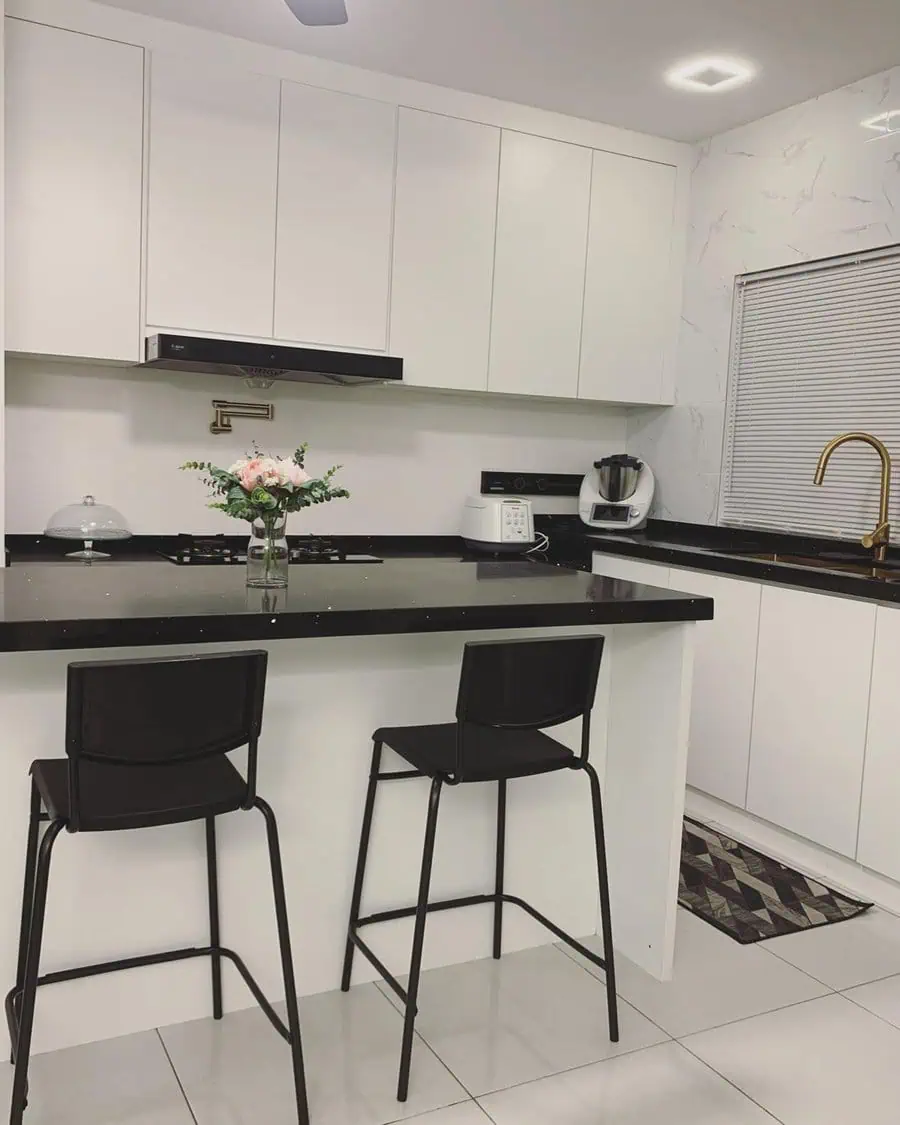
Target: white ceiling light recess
x,y
319,13
711,74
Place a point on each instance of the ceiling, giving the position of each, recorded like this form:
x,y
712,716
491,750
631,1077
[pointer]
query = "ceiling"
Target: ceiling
x,y
599,59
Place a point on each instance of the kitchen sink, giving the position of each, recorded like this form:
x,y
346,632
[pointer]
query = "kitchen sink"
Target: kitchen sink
x,y
887,571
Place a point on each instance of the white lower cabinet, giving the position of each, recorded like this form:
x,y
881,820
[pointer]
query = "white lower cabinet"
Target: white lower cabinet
x,y
631,570
724,678
809,716
879,822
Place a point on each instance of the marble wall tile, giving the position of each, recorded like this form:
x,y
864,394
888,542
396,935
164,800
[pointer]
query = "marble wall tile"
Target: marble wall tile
x,y
808,182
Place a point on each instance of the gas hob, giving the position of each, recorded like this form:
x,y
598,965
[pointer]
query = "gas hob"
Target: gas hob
x,y
217,550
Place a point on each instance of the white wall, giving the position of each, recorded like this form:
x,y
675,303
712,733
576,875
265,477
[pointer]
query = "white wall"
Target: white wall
x,y
808,182
410,456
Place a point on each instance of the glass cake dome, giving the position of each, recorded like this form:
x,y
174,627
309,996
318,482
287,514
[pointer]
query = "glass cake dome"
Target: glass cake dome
x,y
87,521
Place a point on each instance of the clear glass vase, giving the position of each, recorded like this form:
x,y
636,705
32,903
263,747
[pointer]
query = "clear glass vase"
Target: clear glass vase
x,y
267,555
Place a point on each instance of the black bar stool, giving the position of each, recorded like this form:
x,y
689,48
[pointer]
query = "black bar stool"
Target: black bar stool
x,y
146,745
509,691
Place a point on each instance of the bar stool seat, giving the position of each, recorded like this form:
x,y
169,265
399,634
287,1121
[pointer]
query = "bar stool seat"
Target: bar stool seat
x,y
113,799
496,752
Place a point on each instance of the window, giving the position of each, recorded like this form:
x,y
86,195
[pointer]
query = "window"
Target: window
x,y
815,351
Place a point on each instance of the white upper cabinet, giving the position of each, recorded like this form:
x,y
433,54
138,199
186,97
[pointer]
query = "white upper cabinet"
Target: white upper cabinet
x,y
213,174
809,715
629,306
539,271
444,229
335,197
74,155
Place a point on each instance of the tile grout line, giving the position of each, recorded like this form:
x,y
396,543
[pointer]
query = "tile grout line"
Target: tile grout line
x,y
728,1023
187,1100
785,961
469,1095
755,1016
571,956
555,1073
864,983
869,1011
733,1085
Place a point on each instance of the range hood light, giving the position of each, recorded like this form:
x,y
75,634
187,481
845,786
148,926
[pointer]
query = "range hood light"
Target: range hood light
x,y
260,378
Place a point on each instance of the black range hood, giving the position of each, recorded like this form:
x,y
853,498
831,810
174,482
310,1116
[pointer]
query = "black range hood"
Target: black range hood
x,y
269,362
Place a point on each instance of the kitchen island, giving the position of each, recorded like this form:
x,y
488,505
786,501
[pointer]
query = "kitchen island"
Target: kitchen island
x,y
350,648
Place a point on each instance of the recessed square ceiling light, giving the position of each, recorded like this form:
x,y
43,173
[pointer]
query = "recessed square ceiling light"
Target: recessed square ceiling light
x,y
710,75
884,124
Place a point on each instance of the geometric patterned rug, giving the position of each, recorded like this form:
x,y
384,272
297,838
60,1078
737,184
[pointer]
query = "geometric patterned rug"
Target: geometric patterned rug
x,y
749,896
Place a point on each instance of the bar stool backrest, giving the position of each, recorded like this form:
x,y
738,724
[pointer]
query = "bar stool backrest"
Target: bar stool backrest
x,y
163,711
528,685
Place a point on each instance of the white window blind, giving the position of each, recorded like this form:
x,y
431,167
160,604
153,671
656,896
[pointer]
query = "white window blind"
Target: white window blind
x,y
815,352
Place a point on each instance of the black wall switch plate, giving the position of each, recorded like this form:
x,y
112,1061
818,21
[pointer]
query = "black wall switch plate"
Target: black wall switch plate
x,y
530,484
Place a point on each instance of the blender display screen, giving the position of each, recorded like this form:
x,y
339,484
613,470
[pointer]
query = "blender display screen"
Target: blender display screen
x,y
611,513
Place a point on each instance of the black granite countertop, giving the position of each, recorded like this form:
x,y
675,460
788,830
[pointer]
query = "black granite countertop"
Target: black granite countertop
x,y
132,602
825,565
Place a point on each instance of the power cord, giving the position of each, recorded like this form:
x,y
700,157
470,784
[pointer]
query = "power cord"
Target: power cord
x,y
539,546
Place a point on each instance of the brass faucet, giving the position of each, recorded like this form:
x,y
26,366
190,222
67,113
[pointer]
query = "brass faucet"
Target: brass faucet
x,y
881,536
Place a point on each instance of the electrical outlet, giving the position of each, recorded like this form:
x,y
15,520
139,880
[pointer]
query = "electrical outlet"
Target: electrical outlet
x,y
530,484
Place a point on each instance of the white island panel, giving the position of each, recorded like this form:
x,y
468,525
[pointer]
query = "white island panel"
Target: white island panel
x,y
143,891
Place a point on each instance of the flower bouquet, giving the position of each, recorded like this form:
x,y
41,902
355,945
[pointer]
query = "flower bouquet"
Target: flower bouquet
x,y
264,491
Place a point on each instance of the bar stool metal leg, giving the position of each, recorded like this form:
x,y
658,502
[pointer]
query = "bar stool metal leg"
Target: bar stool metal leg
x,y
30,979
605,914
361,859
287,962
14,1006
412,988
212,874
501,859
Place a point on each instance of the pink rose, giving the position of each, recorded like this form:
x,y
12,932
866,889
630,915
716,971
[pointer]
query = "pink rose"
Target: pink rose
x,y
252,473
293,474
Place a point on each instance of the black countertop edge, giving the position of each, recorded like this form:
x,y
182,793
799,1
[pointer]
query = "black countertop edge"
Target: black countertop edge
x,y
697,546
33,636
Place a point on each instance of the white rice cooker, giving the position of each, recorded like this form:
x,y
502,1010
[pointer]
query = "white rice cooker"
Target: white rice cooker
x,y
499,524
617,493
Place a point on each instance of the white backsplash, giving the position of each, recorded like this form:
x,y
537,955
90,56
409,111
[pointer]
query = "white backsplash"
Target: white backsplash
x,y
809,182
409,456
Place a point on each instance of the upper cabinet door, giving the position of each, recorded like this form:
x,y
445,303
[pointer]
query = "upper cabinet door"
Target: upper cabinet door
x,y
74,154
444,227
542,225
335,197
213,173
629,305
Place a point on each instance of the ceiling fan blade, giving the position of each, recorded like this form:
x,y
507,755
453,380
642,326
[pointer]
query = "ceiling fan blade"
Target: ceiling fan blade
x,y
319,13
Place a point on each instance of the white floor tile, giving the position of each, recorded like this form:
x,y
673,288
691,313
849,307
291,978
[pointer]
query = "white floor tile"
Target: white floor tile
x,y
533,1013
663,1085
238,1072
822,1063
848,953
125,1081
467,1113
716,981
881,997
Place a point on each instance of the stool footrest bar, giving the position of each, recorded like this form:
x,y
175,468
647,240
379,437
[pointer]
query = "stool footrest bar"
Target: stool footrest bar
x,y
387,976
98,969
450,904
